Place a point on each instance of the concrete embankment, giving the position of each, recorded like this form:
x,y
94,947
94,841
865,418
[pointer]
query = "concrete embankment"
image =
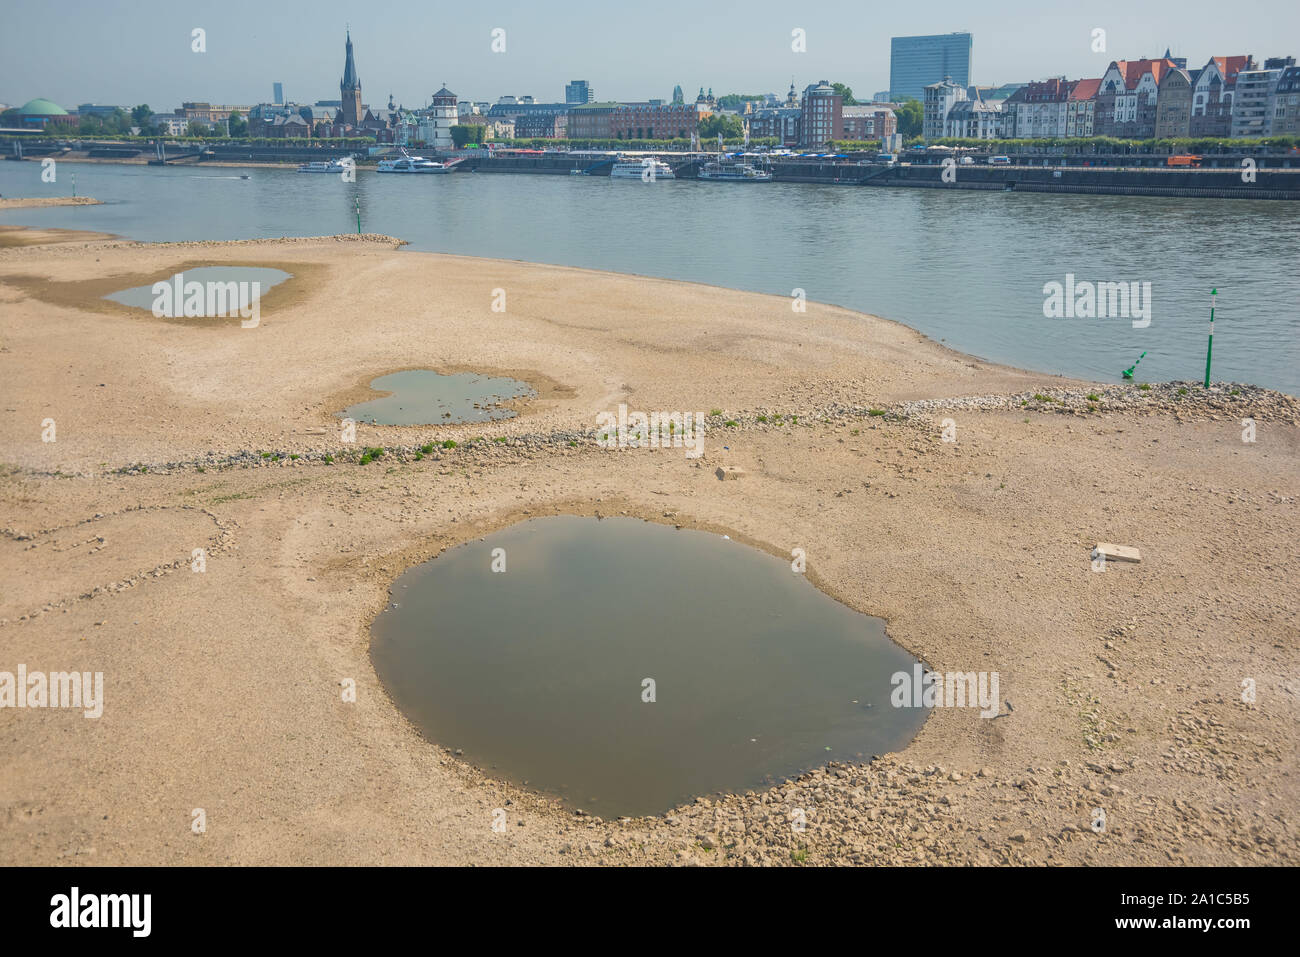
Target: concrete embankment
x,y
1231,182
1225,183
1222,184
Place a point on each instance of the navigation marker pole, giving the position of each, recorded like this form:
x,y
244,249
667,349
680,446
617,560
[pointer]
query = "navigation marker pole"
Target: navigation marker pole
x,y
1128,373
74,185
1209,346
358,204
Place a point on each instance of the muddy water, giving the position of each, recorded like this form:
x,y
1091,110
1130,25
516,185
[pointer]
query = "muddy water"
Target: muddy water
x,y
424,397
240,296
542,672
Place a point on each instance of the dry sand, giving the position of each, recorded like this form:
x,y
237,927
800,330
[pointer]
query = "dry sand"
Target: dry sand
x,y
223,688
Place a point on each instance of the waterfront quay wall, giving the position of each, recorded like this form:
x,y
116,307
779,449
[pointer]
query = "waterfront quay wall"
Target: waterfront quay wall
x,y
221,152
684,167
1221,184
553,164
275,154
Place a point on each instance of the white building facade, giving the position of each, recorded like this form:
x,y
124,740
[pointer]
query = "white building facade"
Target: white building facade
x,y
939,100
434,125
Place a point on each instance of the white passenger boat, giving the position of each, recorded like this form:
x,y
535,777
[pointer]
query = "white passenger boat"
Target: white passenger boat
x,y
333,166
734,171
643,169
410,164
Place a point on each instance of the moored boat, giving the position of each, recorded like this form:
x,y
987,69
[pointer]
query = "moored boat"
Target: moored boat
x,y
647,169
410,164
320,166
733,170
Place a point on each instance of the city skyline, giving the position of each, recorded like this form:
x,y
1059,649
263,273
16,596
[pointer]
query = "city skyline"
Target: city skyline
x,y
246,53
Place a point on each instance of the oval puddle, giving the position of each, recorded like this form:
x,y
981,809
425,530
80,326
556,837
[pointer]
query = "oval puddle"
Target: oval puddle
x,y
207,288
425,397
538,672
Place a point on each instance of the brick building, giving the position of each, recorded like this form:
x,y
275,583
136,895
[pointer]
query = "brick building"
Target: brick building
x,y
821,115
656,121
866,122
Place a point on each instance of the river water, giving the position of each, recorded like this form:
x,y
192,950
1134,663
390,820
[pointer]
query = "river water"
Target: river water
x,y
967,268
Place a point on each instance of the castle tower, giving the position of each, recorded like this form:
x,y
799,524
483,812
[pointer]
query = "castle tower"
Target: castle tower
x,y
350,89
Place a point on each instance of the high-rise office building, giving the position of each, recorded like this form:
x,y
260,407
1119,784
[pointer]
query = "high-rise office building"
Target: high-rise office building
x,y
917,62
579,92
278,98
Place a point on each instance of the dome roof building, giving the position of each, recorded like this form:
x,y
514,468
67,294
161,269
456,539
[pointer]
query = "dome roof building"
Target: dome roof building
x,y
40,113
42,107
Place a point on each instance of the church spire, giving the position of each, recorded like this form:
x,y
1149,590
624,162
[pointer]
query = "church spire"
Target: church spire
x,y
351,113
350,79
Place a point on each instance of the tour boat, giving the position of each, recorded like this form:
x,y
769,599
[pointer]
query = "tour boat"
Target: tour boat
x,y
410,164
732,170
647,169
333,166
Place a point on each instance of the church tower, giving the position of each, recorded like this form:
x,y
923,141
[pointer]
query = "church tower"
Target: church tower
x,y
350,90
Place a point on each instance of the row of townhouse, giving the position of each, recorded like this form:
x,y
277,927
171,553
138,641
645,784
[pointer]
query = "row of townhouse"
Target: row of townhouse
x,y
1229,96
1134,99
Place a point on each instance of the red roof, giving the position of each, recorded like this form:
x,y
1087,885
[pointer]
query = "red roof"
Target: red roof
x,y
1134,70
1085,89
1230,66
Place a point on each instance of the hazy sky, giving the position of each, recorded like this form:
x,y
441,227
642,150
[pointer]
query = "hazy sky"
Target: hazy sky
x,y
118,52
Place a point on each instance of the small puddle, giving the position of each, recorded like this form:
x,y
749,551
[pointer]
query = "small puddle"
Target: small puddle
x,y
425,397
538,672
203,292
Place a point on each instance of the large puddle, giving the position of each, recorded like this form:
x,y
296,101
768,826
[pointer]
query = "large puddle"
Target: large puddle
x,y
425,397
205,291
539,672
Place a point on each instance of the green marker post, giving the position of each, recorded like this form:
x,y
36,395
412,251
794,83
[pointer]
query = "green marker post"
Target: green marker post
x,y
1209,347
358,204
74,185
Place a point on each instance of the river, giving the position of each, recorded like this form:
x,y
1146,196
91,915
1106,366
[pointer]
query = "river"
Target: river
x,y
966,268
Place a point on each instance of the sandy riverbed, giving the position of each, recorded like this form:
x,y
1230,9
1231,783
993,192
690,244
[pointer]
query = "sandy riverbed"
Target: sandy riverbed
x,y
223,688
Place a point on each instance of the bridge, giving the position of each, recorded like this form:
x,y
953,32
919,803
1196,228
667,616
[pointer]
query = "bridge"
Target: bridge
x,y
196,155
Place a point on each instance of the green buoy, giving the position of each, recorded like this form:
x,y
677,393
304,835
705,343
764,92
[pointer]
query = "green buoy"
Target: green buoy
x,y
1209,346
1128,373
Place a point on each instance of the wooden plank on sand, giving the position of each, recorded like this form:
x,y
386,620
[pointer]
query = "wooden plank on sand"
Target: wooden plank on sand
x,y
1117,553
